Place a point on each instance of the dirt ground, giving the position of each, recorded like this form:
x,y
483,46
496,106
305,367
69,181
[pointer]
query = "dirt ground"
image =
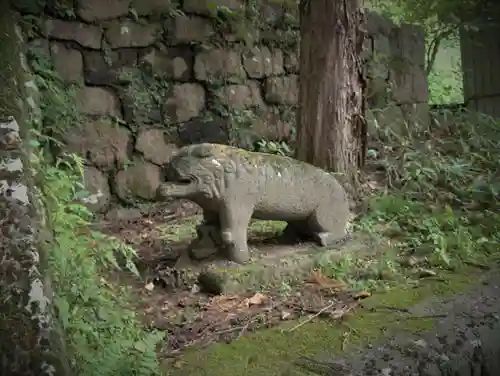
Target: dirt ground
x,y
192,318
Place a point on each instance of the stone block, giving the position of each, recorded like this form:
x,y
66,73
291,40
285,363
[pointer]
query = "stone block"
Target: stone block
x,y
157,145
89,36
171,62
420,85
212,130
411,42
272,265
97,185
273,124
68,62
97,101
139,180
106,70
281,90
240,96
377,24
368,48
153,7
99,10
261,62
131,34
102,141
187,29
208,8
140,101
291,61
218,64
186,102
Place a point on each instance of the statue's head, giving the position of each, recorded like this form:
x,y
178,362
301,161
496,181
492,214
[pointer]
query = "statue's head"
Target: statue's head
x,y
194,172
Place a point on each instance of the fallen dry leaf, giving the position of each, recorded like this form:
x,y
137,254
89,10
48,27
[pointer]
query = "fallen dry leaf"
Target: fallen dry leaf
x,y
427,273
362,295
223,303
257,299
324,282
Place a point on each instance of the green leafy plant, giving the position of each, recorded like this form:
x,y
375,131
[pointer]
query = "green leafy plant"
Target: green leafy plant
x,y
274,147
444,188
103,334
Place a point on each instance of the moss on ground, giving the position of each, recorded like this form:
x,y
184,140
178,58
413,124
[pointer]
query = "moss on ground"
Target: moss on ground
x,y
273,351
185,229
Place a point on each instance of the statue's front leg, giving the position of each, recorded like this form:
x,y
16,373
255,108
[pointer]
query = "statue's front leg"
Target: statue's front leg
x,y
208,240
234,220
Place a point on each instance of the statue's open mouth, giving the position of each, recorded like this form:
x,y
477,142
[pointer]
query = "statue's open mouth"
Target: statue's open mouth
x,y
178,188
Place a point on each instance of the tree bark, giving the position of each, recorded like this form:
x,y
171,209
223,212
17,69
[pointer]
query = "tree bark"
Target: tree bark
x,y
28,344
331,129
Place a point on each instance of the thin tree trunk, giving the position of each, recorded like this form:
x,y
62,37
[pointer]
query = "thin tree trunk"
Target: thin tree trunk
x,y
28,345
331,129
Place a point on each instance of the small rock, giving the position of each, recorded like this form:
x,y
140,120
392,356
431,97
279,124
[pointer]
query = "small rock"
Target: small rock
x,y
410,261
427,273
386,372
420,343
150,286
285,315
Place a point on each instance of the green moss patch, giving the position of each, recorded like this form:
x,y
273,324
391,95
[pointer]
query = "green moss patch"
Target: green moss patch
x,y
273,351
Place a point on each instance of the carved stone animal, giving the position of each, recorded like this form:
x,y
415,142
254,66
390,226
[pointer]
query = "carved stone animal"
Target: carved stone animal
x,y
233,185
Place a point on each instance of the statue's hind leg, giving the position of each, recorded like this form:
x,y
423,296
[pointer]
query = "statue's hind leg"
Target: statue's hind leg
x,y
328,225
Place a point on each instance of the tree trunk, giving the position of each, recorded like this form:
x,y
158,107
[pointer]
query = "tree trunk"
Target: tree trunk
x,y
28,345
331,129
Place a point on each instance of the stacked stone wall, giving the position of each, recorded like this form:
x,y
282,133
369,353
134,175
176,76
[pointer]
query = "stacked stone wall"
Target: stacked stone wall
x,y
153,75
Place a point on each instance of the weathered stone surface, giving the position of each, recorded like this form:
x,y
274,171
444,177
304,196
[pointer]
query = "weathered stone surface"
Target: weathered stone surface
x,y
230,188
420,85
97,101
68,62
97,185
186,29
131,34
291,62
273,124
172,62
98,10
214,129
281,90
89,36
105,70
186,102
219,64
377,24
209,7
140,105
39,46
152,7
156,145
240,96
102,141
261,62
140,180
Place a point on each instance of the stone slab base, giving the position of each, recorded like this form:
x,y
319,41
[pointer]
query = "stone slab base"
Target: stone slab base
x,y
272,265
